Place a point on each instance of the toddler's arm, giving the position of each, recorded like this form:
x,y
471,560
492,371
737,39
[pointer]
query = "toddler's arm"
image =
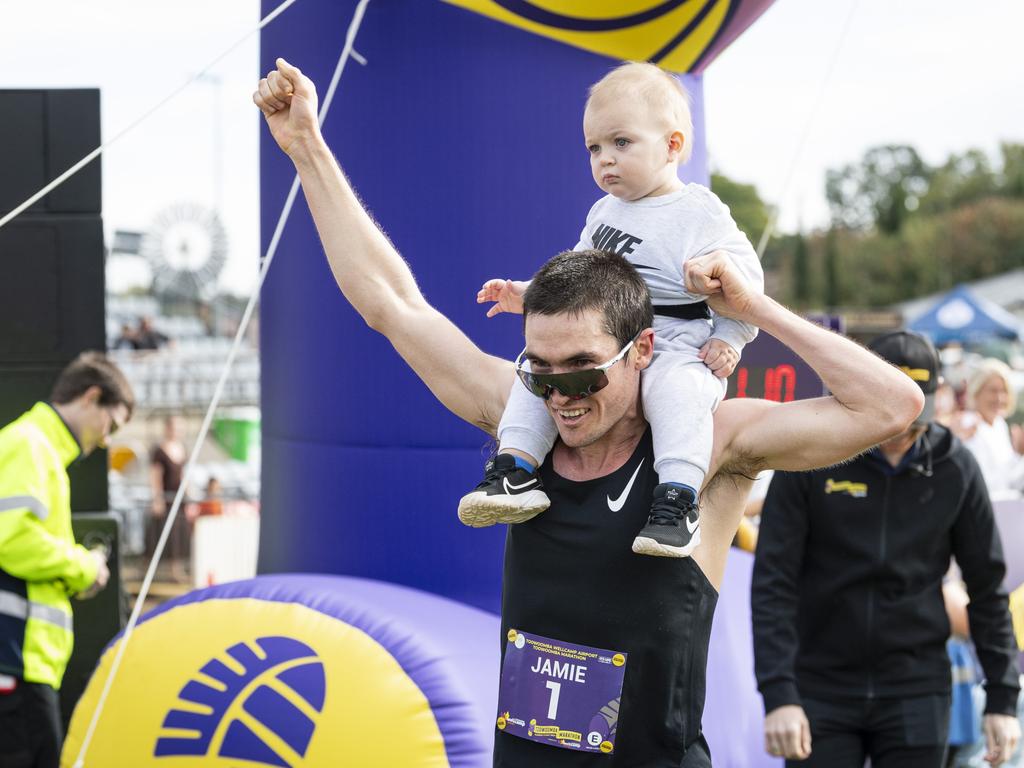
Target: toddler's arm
x,y
723,235
507,296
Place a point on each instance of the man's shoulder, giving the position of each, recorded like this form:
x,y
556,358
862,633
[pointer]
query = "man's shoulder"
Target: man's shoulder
x,y
17,433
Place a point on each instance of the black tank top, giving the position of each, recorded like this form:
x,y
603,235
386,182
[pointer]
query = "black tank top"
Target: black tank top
x,y
570,574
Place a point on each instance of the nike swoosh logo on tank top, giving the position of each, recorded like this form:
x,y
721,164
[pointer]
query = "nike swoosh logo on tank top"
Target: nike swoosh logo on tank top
x,y
617,504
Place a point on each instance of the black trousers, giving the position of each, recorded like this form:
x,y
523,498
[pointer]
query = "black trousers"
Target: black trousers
x,y
30,729
894,733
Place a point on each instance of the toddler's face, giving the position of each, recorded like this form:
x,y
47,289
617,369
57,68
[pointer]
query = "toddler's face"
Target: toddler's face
x,y
630,155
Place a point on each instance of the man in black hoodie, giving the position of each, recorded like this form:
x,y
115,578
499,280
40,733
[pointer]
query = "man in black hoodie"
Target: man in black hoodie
x,y
850,627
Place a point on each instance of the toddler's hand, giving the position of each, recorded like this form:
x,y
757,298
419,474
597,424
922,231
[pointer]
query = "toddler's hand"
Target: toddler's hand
x,y
720,357
507,296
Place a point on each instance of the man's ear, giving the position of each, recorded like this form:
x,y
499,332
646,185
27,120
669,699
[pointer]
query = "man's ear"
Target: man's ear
x,y
645,348
92,395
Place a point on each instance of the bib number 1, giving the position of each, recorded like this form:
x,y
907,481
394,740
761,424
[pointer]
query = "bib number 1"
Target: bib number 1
x,y
553,706
559,693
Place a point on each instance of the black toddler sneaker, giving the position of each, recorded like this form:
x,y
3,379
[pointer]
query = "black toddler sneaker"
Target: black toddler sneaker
x,y
508,494
673,528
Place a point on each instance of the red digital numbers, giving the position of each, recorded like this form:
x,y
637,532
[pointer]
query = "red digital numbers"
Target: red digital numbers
x,y
741,381
779,383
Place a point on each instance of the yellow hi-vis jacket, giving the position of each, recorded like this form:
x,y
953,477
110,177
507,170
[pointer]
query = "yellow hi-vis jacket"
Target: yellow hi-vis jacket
x,y
40,563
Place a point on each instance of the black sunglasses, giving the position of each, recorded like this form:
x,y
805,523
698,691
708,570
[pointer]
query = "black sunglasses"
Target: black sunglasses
x,y
575,385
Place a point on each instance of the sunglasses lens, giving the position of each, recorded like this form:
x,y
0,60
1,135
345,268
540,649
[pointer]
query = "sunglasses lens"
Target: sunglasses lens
x,y
572,385
531,382
575,385
582,384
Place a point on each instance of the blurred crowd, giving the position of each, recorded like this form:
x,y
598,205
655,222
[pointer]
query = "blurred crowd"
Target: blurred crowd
x,y
174,364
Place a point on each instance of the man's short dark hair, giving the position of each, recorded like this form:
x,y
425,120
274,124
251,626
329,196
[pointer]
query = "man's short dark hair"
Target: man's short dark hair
x,y
93,369
574,282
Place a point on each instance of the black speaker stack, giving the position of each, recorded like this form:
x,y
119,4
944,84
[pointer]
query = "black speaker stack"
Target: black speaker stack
x,y
51,257
52,288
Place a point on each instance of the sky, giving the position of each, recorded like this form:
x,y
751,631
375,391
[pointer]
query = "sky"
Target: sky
x,y
940,75
137,53
810,86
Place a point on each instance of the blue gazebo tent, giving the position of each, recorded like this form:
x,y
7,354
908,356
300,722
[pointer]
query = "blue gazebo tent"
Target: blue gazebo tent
x,y
961,316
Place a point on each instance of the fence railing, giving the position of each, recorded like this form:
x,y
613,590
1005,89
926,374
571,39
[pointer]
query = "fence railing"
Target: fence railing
x,y
183,377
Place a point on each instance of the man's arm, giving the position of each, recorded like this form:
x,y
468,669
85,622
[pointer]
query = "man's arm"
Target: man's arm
x,y
775,588
370,272
27,550
871,399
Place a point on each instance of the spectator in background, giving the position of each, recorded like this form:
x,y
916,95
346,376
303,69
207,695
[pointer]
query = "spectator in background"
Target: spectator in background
x,y
965,717
996,445
850,625
968,748
148,337
41,564
213,504
127,339
166,465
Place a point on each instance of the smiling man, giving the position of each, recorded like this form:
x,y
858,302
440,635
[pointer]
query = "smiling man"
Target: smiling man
x,y
573,589
41,566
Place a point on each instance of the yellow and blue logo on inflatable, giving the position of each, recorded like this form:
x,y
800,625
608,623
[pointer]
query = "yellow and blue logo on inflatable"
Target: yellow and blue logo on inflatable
x,y
244,681
675,34
254,694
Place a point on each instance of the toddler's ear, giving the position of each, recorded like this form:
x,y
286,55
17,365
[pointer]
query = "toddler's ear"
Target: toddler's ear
x,y
676,142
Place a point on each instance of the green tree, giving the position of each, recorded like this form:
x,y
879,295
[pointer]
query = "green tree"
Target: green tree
x,y
879,191
801,273
932,253
1011,176
962,179
749,211
832,269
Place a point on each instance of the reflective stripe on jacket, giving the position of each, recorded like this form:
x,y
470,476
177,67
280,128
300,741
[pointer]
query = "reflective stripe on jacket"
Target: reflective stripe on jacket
x,y
40,563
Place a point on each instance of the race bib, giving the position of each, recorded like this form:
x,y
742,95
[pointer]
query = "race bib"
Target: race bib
x,y
560,694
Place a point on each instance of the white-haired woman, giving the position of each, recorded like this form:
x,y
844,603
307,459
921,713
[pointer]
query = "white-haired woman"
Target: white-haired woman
x,y
995,445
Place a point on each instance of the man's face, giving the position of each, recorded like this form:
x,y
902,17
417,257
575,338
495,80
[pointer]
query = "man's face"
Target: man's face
x,y
903,442
629,154
98,423
561,344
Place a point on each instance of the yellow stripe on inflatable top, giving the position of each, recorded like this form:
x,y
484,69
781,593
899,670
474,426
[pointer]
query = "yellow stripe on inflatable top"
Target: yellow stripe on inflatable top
x,y
671,33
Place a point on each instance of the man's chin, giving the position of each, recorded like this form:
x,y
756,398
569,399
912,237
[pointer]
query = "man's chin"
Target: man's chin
x,y
573,438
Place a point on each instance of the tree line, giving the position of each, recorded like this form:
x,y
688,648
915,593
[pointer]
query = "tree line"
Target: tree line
x,y
900,228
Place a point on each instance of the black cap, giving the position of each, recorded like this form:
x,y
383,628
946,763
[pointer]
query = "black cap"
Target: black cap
x,y
913,354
